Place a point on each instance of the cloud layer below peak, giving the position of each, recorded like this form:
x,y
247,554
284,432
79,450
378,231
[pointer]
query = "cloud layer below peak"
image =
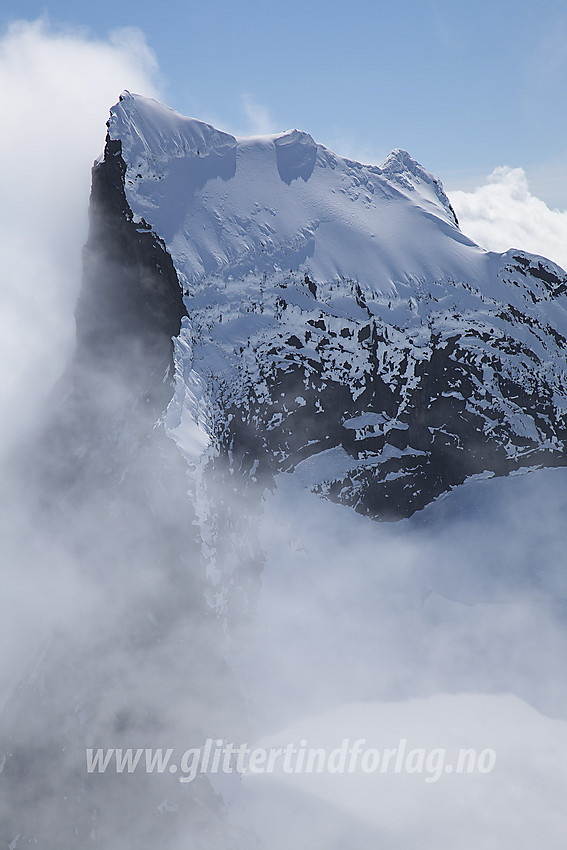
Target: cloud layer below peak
x,y
502,213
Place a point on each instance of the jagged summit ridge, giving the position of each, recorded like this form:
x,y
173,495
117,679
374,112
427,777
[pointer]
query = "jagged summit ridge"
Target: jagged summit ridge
x,y
148,128
408,175
228,206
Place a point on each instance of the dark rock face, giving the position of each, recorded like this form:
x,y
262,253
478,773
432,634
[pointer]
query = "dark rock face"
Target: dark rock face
x,y
131,294
129,308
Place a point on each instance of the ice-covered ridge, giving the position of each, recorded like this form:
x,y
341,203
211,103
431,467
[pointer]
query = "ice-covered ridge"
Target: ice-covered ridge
x,y
149,129
412,179
229,207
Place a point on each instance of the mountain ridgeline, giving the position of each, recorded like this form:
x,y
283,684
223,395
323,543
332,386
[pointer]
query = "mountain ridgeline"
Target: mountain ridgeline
x,y
336,323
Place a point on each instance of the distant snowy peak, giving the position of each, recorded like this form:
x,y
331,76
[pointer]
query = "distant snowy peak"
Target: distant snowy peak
x,y
227,207
409,176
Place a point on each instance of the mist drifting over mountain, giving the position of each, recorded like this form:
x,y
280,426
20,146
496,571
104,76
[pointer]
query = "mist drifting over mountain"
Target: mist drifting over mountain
x,y
301,481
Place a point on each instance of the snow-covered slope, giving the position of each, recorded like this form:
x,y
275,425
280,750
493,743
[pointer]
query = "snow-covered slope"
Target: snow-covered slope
x,y
339,323
233,207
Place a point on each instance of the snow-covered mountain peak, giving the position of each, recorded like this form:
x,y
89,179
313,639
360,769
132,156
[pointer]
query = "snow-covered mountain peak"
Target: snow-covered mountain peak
x,y
150,130
229,207
336,321
296,154
410,177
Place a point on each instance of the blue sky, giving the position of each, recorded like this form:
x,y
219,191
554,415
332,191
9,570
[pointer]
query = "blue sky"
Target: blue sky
x,y
463,87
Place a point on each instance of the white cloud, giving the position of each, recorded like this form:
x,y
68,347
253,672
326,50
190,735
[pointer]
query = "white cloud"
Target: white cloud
x,y
57,88
435,630
258,116
503,213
